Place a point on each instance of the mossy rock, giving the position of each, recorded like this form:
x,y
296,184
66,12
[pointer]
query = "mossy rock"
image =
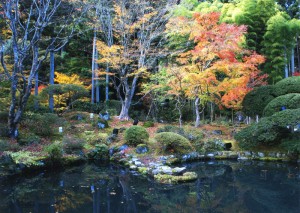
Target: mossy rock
x,y
172,179
172,143
100,152
136,135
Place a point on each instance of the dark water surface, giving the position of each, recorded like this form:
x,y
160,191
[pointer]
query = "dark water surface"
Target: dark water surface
x,y
222,186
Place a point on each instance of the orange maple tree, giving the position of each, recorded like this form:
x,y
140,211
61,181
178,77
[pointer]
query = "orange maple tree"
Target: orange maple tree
x,y
218,68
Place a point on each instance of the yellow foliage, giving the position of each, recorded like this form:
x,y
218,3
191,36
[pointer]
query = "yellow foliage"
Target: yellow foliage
x,y
65,79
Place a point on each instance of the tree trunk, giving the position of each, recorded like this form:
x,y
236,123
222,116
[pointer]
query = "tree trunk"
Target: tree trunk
x,y
292,62
93,67
197,103
51,80
97,79
36,91
211,112
124,114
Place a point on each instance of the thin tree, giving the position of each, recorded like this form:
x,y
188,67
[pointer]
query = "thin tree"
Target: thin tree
x,y
27,24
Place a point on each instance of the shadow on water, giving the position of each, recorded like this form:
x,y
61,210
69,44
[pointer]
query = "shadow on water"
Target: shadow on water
x,y
222,186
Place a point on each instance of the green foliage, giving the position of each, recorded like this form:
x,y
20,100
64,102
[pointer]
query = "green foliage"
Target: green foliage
x,y
101,152
192,134
292,144
148,124
6,145
87,106
55,151
113,107
3,130
28,138
289,101
287,85
279,40
269,130
40,124
170,142
71,144
3,117
136,135
256,100
212,145
25,157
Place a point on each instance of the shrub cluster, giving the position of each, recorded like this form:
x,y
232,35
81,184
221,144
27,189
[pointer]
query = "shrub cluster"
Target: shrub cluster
x,y
269,130
136,135
173,143
289,101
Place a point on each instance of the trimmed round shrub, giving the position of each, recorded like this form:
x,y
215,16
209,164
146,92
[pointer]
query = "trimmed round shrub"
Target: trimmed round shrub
x,y
289,101
287,85
172,143
269,130
256,100
136,135
170,128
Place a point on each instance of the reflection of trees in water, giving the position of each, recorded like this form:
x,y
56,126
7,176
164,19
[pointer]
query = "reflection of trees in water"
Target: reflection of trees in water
x,y
220,188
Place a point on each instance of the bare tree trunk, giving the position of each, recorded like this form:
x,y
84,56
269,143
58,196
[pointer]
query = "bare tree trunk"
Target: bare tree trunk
x,y
97,80
36,91
197,103
93,67
292,62
51,81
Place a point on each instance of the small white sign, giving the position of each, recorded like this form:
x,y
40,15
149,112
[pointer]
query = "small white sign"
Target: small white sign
x,y
60,129
91,115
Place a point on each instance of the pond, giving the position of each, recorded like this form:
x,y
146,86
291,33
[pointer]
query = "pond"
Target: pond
x,y
222,186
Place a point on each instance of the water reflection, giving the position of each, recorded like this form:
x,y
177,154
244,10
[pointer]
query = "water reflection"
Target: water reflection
x,y
221,187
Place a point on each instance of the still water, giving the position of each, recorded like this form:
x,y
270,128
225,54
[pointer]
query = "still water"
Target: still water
x,y
222,186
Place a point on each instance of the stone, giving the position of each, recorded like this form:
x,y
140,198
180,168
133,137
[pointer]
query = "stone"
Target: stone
x,y
115,131
135,122
247,153
133,167
243,158
141,149
155,171
217,132
101,125
104,116
165,170
211,155
261,155
123,147
138,163
179,170
79,117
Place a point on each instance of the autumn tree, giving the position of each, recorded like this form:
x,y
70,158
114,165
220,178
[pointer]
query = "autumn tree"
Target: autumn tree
x,y
218,69
138,26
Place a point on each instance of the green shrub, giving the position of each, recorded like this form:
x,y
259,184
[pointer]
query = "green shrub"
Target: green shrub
x,y
54,151
3,130
101,152
28,138
170,128
287,85
113,107
292,144
269,130
212,145
3,117
87,106
192,134
148,124
256,100
40,124
170,142
289,101
136,135
71,144
8,146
